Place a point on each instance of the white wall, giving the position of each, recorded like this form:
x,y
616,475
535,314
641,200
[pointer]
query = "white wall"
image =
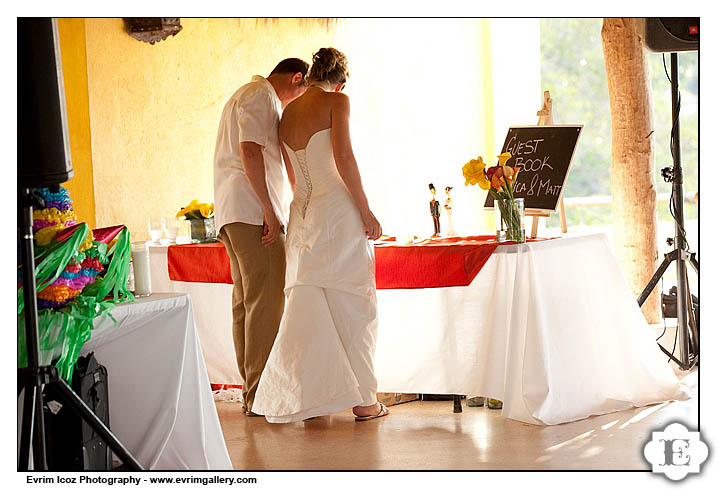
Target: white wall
x,y
516,53
419,105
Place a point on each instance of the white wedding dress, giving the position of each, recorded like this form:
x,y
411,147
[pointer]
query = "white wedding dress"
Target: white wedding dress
x,y
322,359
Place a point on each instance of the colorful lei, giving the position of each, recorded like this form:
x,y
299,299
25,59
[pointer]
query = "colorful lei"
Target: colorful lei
x,y
75,271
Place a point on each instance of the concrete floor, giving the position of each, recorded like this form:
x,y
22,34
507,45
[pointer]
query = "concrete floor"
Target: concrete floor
x,y
427,435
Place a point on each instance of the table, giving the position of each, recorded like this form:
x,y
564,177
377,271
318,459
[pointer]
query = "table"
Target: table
x,y
551,328
161,405
213,317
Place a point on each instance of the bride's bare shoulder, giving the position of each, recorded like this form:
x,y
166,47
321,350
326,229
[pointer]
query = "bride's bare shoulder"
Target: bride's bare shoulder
x,y
338,96
338,100
286,121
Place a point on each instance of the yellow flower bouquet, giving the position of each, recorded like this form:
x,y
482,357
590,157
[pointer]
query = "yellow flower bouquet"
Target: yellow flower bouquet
x,y
201,218
197,210
499,181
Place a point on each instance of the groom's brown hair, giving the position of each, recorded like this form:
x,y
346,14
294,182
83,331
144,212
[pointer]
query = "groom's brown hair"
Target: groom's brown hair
x,y
292,65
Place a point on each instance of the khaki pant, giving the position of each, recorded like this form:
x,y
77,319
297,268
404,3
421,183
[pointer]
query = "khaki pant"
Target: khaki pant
x,y
257,299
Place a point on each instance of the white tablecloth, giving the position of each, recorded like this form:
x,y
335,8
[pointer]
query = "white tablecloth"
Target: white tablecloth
x,y
212,313
161,405
551,328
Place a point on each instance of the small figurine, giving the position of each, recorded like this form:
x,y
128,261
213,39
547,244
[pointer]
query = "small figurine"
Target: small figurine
x,y
435,209
449,217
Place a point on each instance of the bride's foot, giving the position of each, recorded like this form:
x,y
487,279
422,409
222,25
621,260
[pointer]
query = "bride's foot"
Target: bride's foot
x,y
367,411
370,411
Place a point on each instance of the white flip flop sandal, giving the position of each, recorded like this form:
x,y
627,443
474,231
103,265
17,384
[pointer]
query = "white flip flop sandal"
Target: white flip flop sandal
x,y
382,411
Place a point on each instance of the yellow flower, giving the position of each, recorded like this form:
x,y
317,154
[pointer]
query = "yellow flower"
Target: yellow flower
x,y
205,209
193,206
474,171
503,158
196,210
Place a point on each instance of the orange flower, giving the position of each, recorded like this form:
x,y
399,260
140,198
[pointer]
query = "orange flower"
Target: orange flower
x,y
497,182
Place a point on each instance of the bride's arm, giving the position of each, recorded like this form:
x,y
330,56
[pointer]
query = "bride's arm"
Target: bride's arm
x,y
347,164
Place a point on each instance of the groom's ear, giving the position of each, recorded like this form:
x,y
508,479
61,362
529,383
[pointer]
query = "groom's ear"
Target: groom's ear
x,y
298,78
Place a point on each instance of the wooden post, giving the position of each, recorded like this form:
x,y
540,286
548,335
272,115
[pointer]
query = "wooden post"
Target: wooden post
x,y
562,214
546,114
534,226
546,119
632,157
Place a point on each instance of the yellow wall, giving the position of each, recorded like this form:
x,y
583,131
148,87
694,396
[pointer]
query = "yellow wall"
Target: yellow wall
x,y
74,67
154,109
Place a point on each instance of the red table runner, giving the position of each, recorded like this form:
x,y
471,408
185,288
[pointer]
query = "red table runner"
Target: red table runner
x,y
431,263
199,262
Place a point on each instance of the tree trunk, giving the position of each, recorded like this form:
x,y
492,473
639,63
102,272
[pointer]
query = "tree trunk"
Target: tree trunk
x,y
632,158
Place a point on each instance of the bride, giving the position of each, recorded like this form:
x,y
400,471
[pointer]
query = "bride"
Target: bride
x,y
321,361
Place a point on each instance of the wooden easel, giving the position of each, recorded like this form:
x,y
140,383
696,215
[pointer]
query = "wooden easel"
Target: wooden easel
x,y
546,119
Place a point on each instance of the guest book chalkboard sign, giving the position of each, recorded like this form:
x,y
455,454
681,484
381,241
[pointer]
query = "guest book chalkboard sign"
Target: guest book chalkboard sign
x,y
544,154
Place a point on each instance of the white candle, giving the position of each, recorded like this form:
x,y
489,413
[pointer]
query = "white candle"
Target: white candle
x,y
141,267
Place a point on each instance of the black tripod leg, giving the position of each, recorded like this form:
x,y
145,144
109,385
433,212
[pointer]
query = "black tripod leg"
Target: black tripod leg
x,y
682,302
694,263
693,328
39,454
681,364
33,393
33,430
89,416
656,277
28,414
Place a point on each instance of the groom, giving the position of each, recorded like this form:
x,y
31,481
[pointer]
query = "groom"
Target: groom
x,y
248,192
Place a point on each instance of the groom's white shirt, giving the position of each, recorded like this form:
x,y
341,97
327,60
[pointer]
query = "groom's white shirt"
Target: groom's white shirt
x,y
251,114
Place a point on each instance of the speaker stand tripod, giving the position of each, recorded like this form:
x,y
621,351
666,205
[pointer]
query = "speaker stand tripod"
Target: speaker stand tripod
x,y
687,328
32,378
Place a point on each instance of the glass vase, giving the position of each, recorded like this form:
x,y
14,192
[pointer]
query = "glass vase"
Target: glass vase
x,y
509,215
203,230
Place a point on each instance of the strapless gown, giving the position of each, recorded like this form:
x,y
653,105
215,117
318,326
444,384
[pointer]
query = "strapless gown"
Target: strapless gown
x,y
322,359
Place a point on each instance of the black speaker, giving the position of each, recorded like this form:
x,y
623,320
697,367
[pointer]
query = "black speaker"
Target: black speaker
x,y
669,34
71,443
43,147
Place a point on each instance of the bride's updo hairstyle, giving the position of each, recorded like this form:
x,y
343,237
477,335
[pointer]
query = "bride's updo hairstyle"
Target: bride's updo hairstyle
x,y
329,65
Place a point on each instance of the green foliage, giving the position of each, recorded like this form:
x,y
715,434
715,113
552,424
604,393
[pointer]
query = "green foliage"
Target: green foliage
x,y
601,215
63,332
573,70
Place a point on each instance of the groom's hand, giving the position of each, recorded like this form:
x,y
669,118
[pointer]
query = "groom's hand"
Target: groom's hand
x,y
272,228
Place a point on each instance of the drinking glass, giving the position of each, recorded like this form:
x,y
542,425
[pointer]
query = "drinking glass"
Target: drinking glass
x,y
155,226
185,231
171,228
